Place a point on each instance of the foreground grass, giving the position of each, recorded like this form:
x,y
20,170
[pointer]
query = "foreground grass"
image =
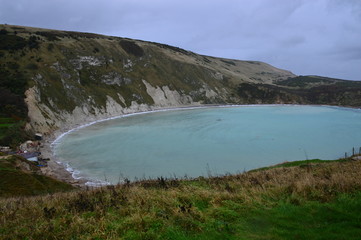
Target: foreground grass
x,y
302,163
309,201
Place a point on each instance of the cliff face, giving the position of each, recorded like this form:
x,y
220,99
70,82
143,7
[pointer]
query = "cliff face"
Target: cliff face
x,y
72,78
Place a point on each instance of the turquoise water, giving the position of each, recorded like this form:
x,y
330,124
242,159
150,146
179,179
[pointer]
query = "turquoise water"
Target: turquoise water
x,y
208,141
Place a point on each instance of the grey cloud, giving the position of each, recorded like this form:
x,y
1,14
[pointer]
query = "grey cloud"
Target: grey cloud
x,y
353,6
306,37
346,53
293,41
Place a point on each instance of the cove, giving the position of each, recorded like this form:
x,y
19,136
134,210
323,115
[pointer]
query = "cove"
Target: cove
x,y
207,141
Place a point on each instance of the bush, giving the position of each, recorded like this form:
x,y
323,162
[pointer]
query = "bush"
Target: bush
x,y
32,66
33,42
12,42
50,36
3,32
14,135
131,48
14,81
50,47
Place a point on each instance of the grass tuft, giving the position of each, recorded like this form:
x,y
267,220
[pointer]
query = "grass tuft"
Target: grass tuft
x,y
320,201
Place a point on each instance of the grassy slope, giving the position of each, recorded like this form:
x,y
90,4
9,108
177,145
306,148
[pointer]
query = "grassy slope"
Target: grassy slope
x,y
158,64
15,181
309,201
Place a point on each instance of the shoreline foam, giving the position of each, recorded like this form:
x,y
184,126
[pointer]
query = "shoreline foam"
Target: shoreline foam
x,y
63,170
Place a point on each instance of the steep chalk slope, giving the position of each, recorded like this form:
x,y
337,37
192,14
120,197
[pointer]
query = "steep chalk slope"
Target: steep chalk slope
x,y
71,78
78,77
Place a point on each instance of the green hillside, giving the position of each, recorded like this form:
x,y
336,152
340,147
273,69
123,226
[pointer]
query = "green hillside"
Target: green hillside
x,y
19,177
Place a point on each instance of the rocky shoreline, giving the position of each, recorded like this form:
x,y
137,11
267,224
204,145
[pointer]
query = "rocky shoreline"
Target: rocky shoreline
x,y
58,170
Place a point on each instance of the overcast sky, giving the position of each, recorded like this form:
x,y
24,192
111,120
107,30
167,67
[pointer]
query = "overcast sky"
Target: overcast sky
x,y
307,37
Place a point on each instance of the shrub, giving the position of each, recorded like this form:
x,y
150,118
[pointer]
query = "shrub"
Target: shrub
x,y
14,81
50,47
3,32
12,42
33,42
32,66
14,135
50,36
131,48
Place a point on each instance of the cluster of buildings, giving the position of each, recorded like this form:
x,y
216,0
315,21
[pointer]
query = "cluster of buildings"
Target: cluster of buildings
x,y
29,150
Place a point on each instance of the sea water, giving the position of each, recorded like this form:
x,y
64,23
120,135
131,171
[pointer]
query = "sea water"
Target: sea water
x,y
208,141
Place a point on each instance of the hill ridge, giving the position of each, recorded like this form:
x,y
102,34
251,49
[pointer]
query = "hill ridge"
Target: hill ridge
x,y
68,78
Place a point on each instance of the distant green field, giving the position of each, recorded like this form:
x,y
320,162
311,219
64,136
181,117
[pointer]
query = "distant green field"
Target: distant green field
x,y
5,125
6,120
2,132
11,132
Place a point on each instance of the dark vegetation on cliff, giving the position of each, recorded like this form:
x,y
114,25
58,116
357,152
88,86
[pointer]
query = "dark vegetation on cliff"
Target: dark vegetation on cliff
x,y
304,90
13,83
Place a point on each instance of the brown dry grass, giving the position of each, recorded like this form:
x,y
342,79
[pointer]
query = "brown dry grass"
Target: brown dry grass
x,y
137,207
